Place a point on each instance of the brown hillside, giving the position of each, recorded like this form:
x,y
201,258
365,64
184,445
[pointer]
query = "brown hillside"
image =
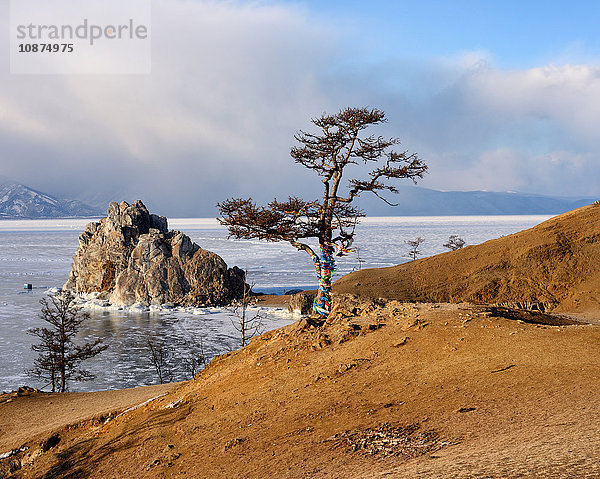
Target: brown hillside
x,y
401,390
556,262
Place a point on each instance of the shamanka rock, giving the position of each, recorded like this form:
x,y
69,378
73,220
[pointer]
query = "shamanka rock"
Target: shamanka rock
x,y
130,257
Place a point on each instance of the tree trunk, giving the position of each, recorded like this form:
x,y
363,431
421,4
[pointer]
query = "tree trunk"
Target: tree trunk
x,y
324,266
63,364
63,383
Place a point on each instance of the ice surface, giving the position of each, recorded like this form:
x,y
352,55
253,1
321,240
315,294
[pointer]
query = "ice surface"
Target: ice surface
x,y
40,252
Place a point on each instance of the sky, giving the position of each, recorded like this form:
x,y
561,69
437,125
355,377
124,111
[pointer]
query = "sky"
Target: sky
x,y
498,96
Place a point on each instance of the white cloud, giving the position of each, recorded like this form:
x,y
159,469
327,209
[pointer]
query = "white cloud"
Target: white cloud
x,y
559,173
568,95
530,130
231,83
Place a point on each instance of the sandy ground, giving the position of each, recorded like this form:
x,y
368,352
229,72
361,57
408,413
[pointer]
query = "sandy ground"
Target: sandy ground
x,y
382,389
33,414
556,263
400,390
273,300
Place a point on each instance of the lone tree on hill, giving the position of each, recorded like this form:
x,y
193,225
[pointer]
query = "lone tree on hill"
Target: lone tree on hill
x,y
59,357
341,142
454,242
415,244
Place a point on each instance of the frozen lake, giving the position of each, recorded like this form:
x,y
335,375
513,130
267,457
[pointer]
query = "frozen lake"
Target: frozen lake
x,y
39,252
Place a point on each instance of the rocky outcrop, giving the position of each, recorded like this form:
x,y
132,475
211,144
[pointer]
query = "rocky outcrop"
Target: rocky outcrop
x,y
131,257
301,303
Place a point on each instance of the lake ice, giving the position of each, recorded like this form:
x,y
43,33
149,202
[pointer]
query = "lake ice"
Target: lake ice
x,y
39,252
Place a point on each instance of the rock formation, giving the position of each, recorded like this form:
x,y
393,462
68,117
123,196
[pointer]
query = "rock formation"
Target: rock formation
x,y
301,303
130,257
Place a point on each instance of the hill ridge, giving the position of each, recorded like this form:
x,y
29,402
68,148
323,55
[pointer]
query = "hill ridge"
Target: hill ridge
x,y
556,262
18,201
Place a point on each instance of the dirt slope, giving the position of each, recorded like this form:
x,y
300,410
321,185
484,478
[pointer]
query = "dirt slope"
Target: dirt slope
x,y
399,390
44,412
556,262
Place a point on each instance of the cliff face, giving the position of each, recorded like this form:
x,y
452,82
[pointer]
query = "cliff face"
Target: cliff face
x,y
130,256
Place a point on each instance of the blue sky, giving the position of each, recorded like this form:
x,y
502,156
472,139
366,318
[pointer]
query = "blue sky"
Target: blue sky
x,y
517,34
497,96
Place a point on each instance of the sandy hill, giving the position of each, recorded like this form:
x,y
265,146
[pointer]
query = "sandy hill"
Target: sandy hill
x,y
396,390
556,263
382,389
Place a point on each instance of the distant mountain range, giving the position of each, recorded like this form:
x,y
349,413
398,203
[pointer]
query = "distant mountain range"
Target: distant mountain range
x,y
19,201
416,201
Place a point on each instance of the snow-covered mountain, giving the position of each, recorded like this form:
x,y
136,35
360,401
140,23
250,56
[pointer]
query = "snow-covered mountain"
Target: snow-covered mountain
x,y
19,201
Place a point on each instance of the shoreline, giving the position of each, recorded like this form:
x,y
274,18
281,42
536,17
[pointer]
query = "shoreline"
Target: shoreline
x,y
424,384
92,302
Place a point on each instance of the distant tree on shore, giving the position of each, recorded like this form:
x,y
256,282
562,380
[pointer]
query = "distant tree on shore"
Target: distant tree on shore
x,y
247,323
161,355
414,251
59,357
176,358
454,242
194,357
341,142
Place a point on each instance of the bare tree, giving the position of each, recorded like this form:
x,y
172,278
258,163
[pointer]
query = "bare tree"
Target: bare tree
x,y
340,143
161,355
59,357
414,251
360,260
194,357
176,357
248,323
454,242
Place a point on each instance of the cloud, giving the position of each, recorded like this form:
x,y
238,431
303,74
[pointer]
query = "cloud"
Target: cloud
x,y
558,173
567,95
229,86
530,130
232,82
